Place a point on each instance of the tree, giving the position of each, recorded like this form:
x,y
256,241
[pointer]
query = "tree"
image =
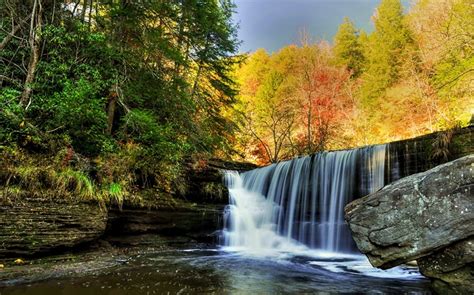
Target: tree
x,y
348,49
266,107
324,97
386,50
443,31
102,76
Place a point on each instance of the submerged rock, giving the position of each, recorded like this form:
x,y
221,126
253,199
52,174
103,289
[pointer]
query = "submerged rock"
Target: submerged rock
x,y
35,226
415,216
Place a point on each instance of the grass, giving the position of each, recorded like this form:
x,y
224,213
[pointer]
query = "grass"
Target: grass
x,y
128,176
116,193
45,177
76,182
109,182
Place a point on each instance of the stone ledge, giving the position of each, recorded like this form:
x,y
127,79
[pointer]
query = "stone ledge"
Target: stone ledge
x,y
36,226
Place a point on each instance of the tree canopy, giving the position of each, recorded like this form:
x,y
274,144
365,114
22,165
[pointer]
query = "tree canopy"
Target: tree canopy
x,y
144,86
148,80
412,75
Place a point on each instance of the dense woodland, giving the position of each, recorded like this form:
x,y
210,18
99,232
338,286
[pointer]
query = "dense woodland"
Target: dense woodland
x,y
411,76
110,99
103,98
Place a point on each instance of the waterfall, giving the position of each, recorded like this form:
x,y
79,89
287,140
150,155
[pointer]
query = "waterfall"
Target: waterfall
x,y
300,202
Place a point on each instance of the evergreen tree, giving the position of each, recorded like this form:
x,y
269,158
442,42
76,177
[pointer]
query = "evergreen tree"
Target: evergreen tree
x,y
348,49
386,46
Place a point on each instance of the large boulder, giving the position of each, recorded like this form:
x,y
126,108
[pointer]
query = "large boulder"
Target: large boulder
x,y
415,216
452,268
33,226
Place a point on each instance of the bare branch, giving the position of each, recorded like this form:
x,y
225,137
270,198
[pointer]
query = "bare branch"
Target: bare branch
x,y
10,35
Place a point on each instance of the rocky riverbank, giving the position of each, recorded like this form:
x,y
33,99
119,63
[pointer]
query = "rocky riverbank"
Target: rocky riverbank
x,y
32,225
36,227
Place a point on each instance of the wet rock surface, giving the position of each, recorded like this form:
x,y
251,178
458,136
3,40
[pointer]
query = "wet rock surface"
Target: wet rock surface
x,y
205,180
427,216
35,226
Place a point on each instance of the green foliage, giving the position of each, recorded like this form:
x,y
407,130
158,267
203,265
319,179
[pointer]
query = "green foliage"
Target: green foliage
x,y
386,49
79,110
11,116
134,88
348,49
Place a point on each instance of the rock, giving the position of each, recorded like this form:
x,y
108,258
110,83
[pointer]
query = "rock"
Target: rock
x,y
205,180
419,154
455,282
197,222
34,226
415,216
452,268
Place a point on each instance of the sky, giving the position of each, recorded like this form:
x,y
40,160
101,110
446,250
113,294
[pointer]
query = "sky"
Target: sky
x,y
272,24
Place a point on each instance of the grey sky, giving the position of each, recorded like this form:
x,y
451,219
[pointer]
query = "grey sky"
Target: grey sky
x,y
272,24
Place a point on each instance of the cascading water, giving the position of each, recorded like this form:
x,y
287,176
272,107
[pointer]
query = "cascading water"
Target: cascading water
x,y
300,203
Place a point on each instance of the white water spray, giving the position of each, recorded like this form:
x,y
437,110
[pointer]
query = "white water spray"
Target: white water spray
x,y
299,204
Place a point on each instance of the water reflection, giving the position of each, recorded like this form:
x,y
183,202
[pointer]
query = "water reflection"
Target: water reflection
x,y
191,271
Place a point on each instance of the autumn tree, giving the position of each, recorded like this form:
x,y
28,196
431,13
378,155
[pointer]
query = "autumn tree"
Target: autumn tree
x,y
323,95
293,101
266,105
443,31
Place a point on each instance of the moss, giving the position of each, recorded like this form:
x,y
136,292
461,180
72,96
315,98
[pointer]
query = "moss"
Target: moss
x,y
463,143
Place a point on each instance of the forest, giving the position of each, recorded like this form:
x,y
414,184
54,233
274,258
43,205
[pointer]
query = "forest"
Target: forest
x,y
142,151
412,75
102,98
112,99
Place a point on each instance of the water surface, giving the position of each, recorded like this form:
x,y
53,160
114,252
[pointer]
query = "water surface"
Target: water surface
x,y
193,269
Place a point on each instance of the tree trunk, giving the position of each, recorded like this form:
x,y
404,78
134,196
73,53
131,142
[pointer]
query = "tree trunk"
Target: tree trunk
x,y
15,29
198,74
83,11
310,107
91,3
196,81
34,42
111,112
